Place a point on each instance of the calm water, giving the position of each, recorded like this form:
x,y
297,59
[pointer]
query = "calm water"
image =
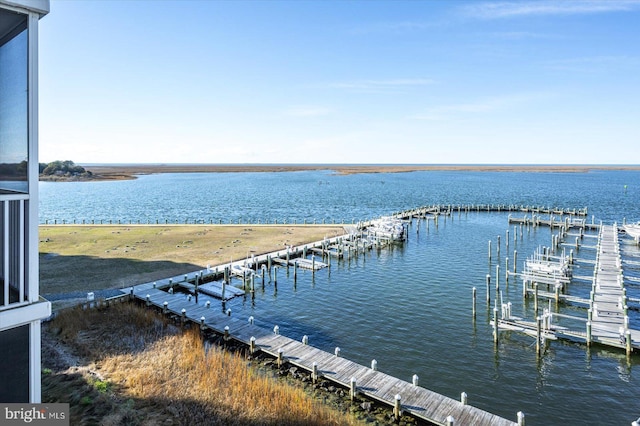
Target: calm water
x,y
409,307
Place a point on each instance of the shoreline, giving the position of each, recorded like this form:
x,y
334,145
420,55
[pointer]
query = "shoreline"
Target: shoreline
x,y
131,171
108,257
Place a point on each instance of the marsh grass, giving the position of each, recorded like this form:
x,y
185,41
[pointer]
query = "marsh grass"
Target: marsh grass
x,y
138,368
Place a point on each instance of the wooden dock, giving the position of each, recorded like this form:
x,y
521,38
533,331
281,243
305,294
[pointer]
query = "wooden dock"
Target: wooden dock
x,y
449,209
608,311
607,321
414,399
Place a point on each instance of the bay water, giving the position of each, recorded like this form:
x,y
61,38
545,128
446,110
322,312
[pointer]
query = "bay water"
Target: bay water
x,y
409,306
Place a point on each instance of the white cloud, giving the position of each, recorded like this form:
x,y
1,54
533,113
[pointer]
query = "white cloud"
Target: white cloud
x,y
521,35
399,27
593,63
382,86
508,9
307,111
444,112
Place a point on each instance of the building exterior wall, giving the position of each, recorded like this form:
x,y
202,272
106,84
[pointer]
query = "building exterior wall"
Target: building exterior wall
x,y
21,308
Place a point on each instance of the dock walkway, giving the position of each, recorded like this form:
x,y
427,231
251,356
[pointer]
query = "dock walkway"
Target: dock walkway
x,y
607,321
418,401
608,310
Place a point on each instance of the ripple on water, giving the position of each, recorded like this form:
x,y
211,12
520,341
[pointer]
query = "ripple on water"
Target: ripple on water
x,y
409,307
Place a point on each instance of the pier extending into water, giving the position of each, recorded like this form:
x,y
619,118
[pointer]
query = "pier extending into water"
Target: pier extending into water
x,y
402,395
420,212
607,320
178,296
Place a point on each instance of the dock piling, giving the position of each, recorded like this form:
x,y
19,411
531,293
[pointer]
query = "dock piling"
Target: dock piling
x,y
397,407
495,325
474,303
538,335
488,289
353,389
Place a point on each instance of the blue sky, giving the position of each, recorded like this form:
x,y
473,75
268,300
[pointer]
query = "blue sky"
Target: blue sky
x,y
552,82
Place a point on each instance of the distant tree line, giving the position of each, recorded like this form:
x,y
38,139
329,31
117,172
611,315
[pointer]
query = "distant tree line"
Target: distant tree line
x,y
55,170
63,168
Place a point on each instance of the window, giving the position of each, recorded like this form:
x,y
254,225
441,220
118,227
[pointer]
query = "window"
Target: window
x,y
14,376
14,120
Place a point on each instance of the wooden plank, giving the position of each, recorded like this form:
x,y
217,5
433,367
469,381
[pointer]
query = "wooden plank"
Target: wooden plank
x,y
419,401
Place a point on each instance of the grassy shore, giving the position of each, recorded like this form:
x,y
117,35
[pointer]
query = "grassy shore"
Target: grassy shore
x,y
84,258
129,365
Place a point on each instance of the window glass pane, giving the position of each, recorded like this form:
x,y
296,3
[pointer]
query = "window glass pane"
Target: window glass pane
x,y
14,371
14,141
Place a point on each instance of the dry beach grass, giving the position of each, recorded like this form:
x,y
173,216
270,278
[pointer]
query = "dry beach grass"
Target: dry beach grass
x,y
129,365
